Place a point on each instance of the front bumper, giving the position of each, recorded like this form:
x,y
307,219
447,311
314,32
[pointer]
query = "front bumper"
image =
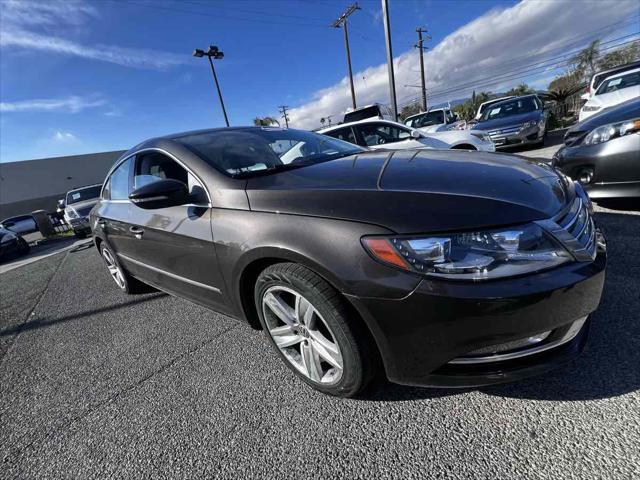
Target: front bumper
x,y
80,225
420,334
613,166
512,137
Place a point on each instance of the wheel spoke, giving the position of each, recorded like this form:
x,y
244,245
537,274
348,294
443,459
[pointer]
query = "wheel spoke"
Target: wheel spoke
x,y
311,362
304,311
326,349
284,336
283,311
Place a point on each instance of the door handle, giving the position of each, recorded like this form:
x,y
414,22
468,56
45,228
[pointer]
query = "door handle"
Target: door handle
x,y
137,232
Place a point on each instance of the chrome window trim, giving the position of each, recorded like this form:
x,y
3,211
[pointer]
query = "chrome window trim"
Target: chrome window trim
x,y
172,157
168,274
501,357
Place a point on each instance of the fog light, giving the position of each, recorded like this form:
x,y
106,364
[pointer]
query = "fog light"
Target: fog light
x,y
585,176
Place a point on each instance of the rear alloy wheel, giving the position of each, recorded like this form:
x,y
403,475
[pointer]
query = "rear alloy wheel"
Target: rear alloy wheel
x,y
124,281
308,323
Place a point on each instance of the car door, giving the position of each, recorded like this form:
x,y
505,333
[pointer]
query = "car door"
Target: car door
x,y
173,247
113,212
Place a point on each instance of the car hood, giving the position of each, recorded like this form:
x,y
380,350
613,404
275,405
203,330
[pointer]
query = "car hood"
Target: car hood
x,y
507,121
83,208
414,191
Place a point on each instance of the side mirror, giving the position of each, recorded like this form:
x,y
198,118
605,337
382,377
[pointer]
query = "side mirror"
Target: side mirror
x,y
61,204
585,96
160,194
416,134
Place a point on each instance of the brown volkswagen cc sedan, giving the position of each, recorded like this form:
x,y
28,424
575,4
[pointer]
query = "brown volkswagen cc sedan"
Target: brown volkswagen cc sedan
x,y
434,268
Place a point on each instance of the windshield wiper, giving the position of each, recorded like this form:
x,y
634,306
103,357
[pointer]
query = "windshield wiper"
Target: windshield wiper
x,y
273,169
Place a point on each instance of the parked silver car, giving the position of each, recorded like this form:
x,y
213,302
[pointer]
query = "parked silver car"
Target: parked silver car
x,y
77,205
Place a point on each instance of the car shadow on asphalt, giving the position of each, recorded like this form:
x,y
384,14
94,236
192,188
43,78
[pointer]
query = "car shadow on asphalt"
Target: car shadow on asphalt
x,y
609,366
45,322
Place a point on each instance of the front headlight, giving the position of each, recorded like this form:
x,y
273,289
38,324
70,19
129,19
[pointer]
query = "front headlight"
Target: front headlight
x,y
71,213
613,130
480,255
529,124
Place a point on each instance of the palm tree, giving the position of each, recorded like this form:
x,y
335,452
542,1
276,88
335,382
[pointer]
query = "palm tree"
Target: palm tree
x,y
265,122
587,59
560,95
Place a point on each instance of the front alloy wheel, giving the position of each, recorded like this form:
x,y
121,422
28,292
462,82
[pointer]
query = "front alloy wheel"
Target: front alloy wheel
x,y
302,335
114,268
313,329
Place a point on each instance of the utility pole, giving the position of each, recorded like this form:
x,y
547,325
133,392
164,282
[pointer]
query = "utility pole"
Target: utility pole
x,y
422,49
215,53
392,80
342,21
283,111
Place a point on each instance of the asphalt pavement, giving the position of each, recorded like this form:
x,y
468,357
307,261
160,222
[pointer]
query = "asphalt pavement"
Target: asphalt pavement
x,y
94,383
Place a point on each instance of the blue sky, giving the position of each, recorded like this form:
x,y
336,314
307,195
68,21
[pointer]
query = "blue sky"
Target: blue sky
x,y
84,76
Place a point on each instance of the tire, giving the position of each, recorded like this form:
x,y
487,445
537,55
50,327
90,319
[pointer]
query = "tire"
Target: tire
x,y
120,276
328,334
23,246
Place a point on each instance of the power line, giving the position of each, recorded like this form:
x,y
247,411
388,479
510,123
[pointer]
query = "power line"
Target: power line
x,y
521,73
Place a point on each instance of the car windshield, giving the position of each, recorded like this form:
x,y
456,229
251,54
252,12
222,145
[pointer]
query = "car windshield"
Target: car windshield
x,y
618,83
511,107
83,194
252,152
430,118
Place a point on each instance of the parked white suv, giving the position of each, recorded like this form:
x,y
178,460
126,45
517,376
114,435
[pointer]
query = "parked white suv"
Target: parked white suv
x,y
377,110
613,90
385,134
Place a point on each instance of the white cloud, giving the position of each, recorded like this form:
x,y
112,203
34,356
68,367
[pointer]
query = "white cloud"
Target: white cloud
x,y
28,24
73,104
517,34
60,136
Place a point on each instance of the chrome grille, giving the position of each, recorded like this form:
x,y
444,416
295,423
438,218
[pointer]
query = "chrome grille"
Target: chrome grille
x,y
575,229
501,132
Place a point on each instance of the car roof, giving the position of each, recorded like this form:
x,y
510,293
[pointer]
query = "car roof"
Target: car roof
x,y
516,98
360,122
82,188
621,74
626,67
499,99
424,113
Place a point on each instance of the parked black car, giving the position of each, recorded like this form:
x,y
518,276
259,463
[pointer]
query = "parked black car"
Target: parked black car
x,y
444,267
603,152
11,244
515,121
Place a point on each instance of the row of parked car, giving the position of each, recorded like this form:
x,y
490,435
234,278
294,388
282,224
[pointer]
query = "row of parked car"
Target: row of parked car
x,y
72,213
601,151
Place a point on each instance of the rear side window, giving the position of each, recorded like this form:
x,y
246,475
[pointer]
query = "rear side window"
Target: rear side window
x,y
344,134
117,187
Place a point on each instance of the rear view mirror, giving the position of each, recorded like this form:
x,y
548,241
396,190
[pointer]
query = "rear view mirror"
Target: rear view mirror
x,y
160,194
415,134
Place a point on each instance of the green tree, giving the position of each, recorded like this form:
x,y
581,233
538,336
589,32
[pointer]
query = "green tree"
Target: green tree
x,y
620,56
265,122
522,89
468,109
586,61
409,110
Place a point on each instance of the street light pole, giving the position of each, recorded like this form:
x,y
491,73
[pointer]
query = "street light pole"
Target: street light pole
x,y
392,80
214,53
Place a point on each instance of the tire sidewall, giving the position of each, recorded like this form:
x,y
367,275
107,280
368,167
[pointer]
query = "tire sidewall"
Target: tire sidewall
x,y
352,374
126,286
